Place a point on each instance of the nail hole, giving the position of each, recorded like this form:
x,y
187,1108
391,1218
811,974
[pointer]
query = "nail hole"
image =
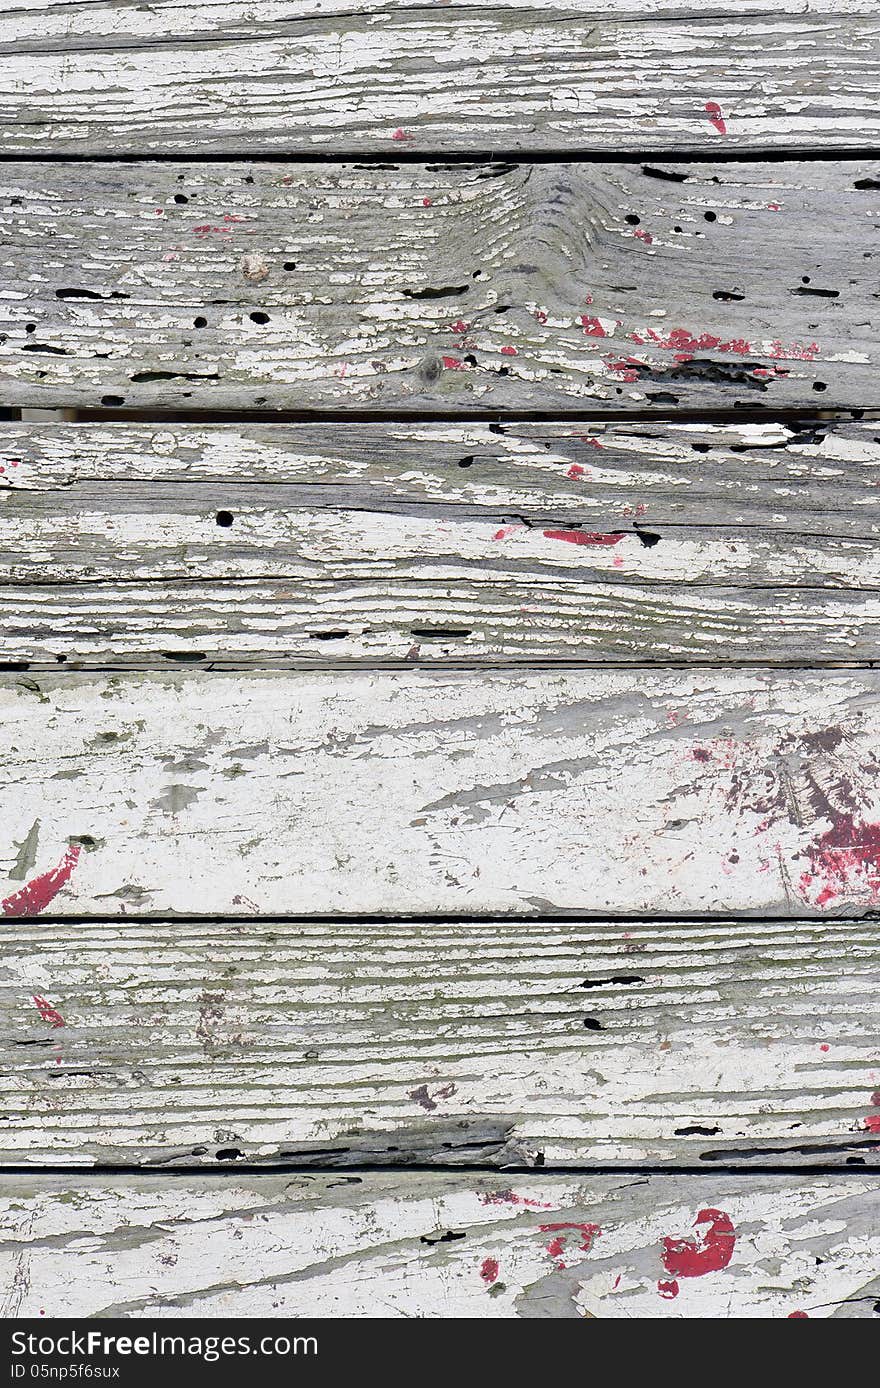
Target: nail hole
x,y
259,317
224,518
200,322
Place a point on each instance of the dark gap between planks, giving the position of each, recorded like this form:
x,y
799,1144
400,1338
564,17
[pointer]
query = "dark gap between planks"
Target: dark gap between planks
x,y
351,1173
697,154
745,414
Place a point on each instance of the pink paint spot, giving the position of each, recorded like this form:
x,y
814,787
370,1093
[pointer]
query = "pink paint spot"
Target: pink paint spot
x,y
824,1046
557,1247
588,298
489,1271
453,364
796,351
508,351
540,315
616,1283
427,202
588,438
399,134
709,1252
505,531
872,1123
459,326
774,207
644,236
713,111
575,471
509,1197
47,1011
160,211
669,1290
36,895
845,859
592,326
798,1316
875,1098
582,537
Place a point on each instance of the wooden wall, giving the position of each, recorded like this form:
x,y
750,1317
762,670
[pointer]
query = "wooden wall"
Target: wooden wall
x,y
439,704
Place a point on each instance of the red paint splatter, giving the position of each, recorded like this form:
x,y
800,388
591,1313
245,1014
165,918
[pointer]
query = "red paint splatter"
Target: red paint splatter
x,y
713,111
872,1123
557,1247
509,1197
797,351
592,327
709,1252
844,859
459,326
540,315
644,236
588,438
489,1271
48,1012
875,1098
427,202
669,1290
399,134
575,471
774,207
582,537
683,340
36,895
508,351
505,531
798,1316
824,1046
453,364
702,754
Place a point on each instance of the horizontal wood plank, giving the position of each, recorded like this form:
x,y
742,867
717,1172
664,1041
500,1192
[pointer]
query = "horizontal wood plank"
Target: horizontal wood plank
x,y
440,1247
195,78
242,286
304,544
517,792
439,1044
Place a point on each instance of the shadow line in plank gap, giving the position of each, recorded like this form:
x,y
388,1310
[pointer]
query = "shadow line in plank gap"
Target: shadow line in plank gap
x,y
451,917
497,419
197,663
339,1172
392,159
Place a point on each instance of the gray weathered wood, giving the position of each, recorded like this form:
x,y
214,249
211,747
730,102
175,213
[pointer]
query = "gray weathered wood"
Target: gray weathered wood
x,y
494,791
330,285
440,1247
163,1043
438,542
112,78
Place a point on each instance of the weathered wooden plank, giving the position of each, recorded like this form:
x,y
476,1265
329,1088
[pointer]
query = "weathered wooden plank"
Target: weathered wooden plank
x,y
301,624
437,1044
194,78
517,792
304,543
225,285
534,1247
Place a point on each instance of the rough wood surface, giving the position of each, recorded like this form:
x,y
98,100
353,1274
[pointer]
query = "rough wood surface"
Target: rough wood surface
x,y
440,1044
117,78
471,793
441,1247
302,544
262,285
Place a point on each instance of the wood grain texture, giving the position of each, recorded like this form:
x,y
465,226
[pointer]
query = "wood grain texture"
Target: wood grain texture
x,y
487,1044
263,286
304,544
200,77
288,1246
516,792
